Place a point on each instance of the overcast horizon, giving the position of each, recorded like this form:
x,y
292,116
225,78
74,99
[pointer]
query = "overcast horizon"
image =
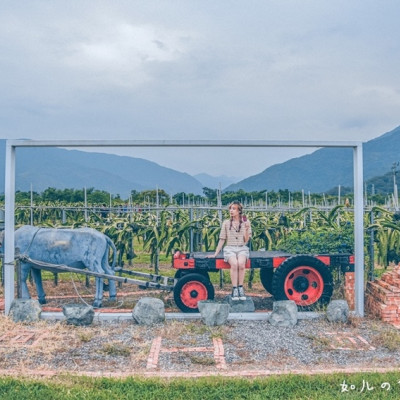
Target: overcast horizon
x,y
189,70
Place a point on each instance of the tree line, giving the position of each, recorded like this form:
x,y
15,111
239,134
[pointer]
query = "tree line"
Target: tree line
x,y
210,197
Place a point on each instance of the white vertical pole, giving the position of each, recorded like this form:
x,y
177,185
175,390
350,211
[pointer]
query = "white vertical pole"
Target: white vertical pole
x,y
9,227
359,230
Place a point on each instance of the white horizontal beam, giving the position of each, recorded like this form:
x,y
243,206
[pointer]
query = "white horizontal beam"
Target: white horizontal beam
x,y
180,143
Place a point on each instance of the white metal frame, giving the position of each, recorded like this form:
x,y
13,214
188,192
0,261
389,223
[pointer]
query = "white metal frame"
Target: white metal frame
x,y
11,146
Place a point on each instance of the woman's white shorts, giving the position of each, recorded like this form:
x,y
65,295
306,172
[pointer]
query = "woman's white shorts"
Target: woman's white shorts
x,y
236,251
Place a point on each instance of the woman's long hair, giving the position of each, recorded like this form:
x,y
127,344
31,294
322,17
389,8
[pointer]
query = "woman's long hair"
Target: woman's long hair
x,y
240,207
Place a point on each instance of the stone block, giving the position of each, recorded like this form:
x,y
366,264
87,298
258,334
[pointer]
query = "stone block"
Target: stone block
x,y
284,313
240,306
213,313
337,311
78,314
149,311
25,310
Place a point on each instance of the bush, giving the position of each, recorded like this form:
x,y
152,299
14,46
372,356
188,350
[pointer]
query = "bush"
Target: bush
x,y
319,242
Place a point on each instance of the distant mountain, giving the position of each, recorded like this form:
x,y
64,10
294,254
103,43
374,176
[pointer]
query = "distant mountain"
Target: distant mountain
x,y
326,168
382,184
60,168
215,182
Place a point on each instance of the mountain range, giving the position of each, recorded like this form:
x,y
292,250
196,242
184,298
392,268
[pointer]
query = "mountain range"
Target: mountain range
x,y
317,172
60,168
326,168
215,182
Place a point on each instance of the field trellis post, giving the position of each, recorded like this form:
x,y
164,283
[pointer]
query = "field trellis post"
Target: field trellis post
x,y
11,146
31,205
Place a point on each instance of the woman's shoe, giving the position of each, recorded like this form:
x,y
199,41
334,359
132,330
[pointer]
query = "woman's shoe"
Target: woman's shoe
x,y
235,294
241,293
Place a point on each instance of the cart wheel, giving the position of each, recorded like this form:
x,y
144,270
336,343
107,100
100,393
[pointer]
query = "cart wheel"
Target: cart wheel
x,y
266,276
303,279
190,289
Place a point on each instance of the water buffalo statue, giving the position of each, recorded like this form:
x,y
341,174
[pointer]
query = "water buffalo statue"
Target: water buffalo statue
x,y
77,248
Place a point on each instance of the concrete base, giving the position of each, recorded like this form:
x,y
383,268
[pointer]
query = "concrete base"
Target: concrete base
x,y
254,316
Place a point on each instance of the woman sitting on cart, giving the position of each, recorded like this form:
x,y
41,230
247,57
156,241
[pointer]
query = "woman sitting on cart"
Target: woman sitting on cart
x,y
236,232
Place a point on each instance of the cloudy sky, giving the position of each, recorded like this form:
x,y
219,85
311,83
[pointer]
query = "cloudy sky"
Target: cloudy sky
x,y
186,69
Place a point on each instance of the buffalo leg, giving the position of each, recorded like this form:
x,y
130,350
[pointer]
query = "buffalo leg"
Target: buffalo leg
x,y
37,277
25,268
112,286
99,293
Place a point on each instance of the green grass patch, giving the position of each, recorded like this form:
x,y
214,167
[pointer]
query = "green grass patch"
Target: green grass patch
x,y
115,349
382,386
144,258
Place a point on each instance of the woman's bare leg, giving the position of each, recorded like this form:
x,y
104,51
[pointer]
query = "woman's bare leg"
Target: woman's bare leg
x,y
234,270
241,269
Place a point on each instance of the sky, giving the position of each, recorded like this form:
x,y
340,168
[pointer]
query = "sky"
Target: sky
x,y
198,70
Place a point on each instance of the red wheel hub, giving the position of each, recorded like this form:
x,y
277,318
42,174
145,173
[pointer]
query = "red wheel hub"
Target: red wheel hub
x,y
304,285
192,292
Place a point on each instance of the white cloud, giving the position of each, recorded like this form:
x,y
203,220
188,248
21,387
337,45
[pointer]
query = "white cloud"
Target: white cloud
x,y
200,70
120,54
110,53
390,96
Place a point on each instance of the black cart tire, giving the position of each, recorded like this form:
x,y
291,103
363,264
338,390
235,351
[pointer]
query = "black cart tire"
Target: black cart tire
x,y
190,289
182,272
266,276
305,280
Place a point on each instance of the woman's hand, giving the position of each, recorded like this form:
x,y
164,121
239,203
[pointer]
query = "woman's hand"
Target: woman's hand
x,y
246,235
218,249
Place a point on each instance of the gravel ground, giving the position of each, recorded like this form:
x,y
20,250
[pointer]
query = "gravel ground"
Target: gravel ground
x,y
124,347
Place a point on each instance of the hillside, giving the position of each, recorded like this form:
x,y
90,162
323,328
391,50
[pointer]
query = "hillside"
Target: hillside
x,y
60,168
378,185
326,168
382,184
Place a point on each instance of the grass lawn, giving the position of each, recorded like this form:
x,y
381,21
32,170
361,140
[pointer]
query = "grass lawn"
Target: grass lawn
x,y
334,386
